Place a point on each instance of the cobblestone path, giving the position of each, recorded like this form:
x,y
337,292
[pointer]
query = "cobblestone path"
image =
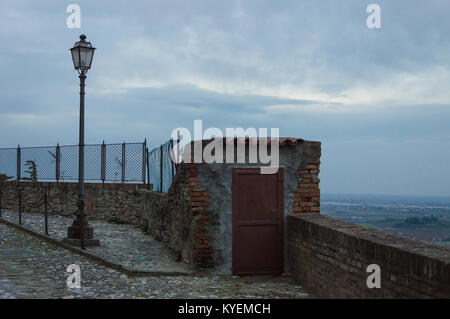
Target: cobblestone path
x,y
119,243
31,268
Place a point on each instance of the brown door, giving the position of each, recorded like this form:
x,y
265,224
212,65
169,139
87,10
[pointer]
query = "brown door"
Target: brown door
x,y
257,222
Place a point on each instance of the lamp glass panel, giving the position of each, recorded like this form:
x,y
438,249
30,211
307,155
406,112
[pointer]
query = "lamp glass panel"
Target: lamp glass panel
x,y
90,56
75,57
86,57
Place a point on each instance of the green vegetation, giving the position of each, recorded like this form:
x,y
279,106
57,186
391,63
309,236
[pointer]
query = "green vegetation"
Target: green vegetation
x,y
32,171
420,219
4,177
417,221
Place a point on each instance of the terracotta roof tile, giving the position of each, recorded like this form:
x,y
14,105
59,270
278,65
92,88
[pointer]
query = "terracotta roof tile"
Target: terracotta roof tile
x,y
283,141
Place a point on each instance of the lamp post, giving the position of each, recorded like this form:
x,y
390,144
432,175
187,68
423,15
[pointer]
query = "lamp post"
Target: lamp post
x,y
80,233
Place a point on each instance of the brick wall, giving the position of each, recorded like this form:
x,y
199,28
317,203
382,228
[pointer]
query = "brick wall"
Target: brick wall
x,y
198,200
307,195
330,257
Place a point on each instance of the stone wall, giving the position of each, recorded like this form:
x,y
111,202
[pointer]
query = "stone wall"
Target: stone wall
x,y
330,258
112,202
182,222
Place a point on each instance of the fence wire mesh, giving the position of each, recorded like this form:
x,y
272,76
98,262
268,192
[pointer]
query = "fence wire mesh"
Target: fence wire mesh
x,y
120,163
161,167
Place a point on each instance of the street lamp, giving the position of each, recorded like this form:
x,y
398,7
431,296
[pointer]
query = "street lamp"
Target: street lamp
x,y
80,233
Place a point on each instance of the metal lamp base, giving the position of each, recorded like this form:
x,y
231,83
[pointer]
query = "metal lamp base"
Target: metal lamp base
x,y
77,242
74,230
74,235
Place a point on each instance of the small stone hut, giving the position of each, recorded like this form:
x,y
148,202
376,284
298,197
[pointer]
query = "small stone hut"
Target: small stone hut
x,y
230,215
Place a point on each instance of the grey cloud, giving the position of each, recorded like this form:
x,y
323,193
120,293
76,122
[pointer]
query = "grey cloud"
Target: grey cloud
x,y
153,58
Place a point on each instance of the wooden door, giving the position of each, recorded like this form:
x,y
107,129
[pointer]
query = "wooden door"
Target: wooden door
x,y
257,222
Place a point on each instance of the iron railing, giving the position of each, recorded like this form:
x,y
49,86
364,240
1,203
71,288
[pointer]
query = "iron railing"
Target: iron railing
x,y
42,201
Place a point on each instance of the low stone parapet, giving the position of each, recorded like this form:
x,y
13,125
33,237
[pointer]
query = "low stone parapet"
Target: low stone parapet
x,y
331,258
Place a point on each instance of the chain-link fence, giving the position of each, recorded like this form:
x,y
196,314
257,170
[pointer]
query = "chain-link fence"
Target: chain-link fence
x,y
120,163
161,167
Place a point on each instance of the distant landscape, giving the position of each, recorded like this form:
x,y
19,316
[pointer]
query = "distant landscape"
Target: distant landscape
x,y
420,218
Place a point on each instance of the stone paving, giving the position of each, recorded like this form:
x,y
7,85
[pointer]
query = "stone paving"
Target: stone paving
x,y
32,268
119,243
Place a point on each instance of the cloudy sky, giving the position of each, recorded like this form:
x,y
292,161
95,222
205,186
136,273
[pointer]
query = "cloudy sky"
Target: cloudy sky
x,y
378,99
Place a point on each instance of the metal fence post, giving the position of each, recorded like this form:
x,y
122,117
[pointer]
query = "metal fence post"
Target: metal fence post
x,y
178,149
20,204
161,168
148,169
123,163
171,161
103,162
144,148
58,163
46,212
0,199
19,161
